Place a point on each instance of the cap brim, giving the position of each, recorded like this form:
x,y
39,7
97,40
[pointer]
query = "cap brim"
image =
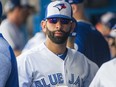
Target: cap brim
x,y
59,16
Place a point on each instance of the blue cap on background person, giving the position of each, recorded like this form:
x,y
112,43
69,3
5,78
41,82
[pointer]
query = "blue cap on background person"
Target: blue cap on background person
x,y
113,31
0,9
114,27
11,4
74,1
59,9
108,19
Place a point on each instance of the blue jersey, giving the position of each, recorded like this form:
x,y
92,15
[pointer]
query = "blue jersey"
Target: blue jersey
x,y
91,43
8,65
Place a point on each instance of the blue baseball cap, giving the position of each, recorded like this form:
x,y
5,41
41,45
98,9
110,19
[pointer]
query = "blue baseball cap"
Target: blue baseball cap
x,y
0,9
59,9
114,27
74,1
108,19
113,31
11,4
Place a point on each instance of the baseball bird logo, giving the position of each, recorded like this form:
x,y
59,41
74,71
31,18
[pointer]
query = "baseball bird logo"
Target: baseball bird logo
x,y
60,6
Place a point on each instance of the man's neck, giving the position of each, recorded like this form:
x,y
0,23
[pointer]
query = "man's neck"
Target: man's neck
x,y
80,16
55,48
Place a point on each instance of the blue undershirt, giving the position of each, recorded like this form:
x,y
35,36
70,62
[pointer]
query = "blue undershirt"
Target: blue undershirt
x,y
62,56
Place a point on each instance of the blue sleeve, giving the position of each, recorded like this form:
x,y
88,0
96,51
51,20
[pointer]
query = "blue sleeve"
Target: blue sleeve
x,y
80,38
92,44
80,43
13,78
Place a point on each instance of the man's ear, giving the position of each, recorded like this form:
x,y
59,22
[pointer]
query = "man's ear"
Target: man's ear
x,y
43,25
73,25
74,8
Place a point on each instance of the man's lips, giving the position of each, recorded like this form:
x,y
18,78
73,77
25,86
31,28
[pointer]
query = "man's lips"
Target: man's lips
x,y
58,34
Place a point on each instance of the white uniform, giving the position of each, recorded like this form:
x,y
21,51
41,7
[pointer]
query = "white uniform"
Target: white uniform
x,y
106,75
40,67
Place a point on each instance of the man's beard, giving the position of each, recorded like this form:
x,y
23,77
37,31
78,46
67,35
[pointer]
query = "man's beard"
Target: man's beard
x,y
58,39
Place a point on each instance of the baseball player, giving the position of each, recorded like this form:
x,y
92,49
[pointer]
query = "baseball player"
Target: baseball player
x,y
8,65
52,64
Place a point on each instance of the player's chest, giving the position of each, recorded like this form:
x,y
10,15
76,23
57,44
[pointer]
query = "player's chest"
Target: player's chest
x,y
54,74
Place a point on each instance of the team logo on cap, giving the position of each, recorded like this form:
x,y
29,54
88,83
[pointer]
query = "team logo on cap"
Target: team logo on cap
x,y
60,6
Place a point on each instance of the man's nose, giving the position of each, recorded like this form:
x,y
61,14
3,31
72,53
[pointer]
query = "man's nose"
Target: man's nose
x,y
58,25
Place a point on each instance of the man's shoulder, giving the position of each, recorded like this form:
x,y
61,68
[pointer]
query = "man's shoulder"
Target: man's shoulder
x,y
81,61
74,51
84,25
3,41
106,68
86,60
6,26
30,54
5,22
81,57
76,55
93,65
110,64
84,30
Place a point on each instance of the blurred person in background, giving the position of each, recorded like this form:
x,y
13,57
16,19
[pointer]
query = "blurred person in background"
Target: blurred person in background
x,y
104,26
8,64
12,27
90,42
28,11
39,36
107,21
112,41
105,77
